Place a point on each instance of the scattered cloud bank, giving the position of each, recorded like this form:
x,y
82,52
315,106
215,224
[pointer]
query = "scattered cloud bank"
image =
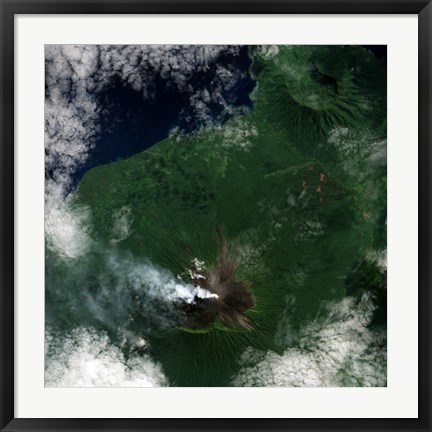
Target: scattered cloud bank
x,y
310,230
67,230
86,358
122,221
76,74
339,351
354,148
268,51
238,133
379,258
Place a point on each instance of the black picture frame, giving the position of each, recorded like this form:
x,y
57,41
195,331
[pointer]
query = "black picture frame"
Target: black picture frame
x,y
10,8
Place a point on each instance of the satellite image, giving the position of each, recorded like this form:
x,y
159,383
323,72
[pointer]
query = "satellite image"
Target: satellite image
x,y
215,216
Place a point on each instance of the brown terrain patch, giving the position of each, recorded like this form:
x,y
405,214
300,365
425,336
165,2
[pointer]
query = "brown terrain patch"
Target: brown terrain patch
x,y
234,296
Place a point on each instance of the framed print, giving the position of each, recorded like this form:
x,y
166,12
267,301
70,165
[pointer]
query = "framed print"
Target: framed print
x,y
215,216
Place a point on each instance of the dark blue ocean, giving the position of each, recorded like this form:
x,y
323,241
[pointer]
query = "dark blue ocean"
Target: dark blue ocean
x,y
133,124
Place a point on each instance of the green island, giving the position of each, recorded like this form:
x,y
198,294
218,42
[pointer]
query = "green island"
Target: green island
x,y
297,188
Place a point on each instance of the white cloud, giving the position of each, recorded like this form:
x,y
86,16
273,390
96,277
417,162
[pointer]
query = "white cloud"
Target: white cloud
x,y
341,351
355,147
310,229
86,358
238,133
379,258
67,230
268,51
122,221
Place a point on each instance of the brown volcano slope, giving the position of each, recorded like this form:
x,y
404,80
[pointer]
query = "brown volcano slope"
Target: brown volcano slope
x,y
234,296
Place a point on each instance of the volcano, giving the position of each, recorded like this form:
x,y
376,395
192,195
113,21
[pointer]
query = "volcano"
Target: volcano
x,y
232,298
